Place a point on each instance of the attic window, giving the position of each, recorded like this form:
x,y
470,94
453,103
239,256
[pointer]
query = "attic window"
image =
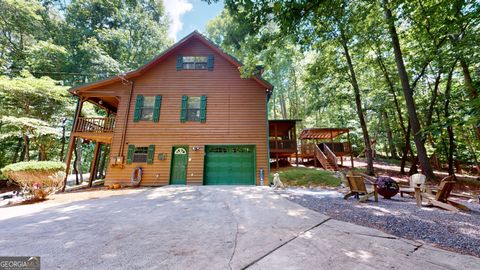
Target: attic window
x,y
195,62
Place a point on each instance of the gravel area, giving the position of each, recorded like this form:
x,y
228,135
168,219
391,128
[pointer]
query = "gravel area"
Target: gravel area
x,y
459,232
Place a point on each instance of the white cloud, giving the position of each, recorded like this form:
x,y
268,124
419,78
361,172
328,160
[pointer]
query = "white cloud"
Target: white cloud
x,y
175,9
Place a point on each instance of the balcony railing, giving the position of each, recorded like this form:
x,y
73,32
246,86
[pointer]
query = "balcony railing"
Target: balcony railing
x,y
283,145
95,124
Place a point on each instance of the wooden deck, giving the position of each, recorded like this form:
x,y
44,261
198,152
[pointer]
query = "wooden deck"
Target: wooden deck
x,y
99,129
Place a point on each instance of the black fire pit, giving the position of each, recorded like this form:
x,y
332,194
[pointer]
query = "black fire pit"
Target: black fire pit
x,y
387,187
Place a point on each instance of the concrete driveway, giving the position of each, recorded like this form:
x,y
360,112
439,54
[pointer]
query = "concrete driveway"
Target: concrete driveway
x,y
204,228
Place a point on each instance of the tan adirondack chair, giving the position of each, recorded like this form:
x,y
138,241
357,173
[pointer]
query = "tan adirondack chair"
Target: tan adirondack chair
x,y
440,199
416,180
358,188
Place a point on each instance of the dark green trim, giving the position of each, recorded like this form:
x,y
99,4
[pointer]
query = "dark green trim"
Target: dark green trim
x,y
183,109
131,151
203,109
156,109
138,108
179,64
150,154
210,61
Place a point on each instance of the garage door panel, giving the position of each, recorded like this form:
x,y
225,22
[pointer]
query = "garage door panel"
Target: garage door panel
x,y
230,165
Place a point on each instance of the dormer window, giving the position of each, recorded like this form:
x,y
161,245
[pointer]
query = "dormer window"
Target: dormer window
x,y
195,62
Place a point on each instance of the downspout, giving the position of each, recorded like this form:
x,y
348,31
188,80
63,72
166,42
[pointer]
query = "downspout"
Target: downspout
x,y
124,132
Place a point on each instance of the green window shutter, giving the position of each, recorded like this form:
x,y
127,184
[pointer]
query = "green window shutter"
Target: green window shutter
x,y
210,62
179,62
138,108
150,154
203,109
131,150
156,109
183,111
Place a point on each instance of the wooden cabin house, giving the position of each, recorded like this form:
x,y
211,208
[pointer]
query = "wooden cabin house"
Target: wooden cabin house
x,y
186,117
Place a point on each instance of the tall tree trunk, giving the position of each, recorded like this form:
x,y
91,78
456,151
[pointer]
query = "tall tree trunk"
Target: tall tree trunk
x,y
406,149
18,147
451,138
408,93
391,144
63,140
358,102
26,144
283,107
392,91
468,79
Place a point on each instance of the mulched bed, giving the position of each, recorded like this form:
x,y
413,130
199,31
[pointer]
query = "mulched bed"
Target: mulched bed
x,y
459,232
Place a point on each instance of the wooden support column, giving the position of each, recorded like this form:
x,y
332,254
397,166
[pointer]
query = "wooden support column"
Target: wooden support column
x,y
295,140
276,145
93,166
351,150
71,144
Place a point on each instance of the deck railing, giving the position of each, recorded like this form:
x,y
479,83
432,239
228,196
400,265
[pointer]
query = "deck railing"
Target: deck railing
x,y
321,157
95,124
283,145
330,155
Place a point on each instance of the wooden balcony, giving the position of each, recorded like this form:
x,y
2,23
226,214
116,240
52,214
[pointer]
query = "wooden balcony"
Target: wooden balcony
x,y
95,128
283,146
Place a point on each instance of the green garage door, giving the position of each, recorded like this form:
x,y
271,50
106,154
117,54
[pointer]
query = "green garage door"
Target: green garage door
x,y
230,165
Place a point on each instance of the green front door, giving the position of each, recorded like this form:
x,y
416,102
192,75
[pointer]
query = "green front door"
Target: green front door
x,y
178,173
230,165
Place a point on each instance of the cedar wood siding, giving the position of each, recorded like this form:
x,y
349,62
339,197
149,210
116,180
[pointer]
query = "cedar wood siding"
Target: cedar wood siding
x,y
235,115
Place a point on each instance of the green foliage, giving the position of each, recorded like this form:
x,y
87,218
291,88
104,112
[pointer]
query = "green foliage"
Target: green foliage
x,y
37,178
34,166
45,45
307,177
300,45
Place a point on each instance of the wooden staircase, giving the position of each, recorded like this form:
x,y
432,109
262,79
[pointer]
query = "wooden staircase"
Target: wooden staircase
x,y
327,158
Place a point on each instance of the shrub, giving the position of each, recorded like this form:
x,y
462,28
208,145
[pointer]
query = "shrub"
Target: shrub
x,y
39,178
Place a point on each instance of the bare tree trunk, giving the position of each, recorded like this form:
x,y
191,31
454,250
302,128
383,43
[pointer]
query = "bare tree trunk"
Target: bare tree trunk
x,y
18,147
468,79
406,149
412,112
451,138
283,107
358,102
391,144
63,140
26,143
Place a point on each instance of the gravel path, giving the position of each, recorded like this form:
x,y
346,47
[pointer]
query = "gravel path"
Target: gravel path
x,y
459,232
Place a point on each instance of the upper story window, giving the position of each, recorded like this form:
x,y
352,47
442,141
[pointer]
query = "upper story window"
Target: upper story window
x,y
146,111
147,108
195,62
193,109
191,62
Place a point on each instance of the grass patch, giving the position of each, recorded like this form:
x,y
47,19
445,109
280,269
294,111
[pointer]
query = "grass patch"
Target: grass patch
x,y
307,177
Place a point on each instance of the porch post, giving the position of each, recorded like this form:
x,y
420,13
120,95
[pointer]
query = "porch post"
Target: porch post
x,y
276,144
71,144
350,146
93,166
295,140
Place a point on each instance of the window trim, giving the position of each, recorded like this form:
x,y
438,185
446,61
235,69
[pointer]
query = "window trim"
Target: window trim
x,y
135,153
197,110
197,65
141,117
